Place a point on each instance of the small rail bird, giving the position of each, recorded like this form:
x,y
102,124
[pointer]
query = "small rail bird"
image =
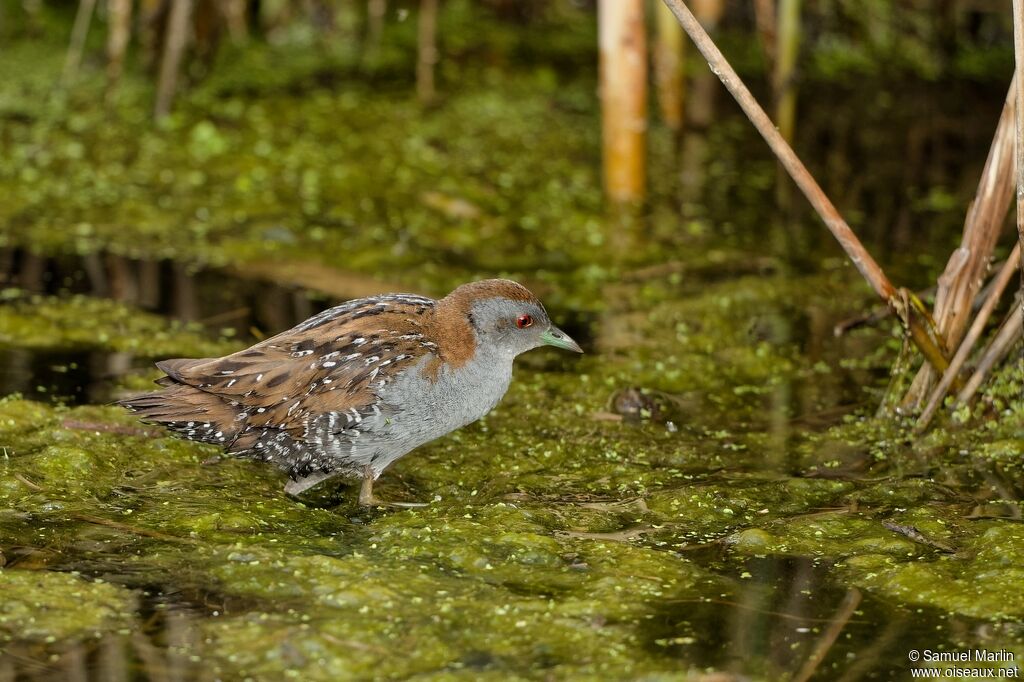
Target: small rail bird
x,y
354,388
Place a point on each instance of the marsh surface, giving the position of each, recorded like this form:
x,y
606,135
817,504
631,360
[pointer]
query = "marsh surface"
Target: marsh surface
x,y
737,509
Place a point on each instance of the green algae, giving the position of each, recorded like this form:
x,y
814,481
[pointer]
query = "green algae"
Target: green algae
x,y
514,597
51,607
982,581
494,577
41,322
257,186
501,560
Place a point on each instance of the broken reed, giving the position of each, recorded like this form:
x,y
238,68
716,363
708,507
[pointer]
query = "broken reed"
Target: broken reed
x,y
962,279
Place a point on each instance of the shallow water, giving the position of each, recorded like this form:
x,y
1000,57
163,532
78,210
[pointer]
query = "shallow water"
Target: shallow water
x,y
706,490
563,540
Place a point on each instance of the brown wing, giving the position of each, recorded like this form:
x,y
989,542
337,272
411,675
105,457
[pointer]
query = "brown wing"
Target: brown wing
x,y
334,362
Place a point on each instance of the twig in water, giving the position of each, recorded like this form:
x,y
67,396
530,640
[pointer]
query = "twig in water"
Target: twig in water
x,y
912,533
876,315
829,636
618,536
28,484
868,319
135,530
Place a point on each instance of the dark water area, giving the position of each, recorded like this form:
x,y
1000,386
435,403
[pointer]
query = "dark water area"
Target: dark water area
x,y
785,613
210,297
66,377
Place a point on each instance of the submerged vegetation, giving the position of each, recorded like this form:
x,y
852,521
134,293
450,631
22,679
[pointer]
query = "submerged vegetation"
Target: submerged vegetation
x,y
708,489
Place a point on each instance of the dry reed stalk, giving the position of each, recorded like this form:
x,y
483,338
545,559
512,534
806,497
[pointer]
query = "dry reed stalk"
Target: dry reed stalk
x,y
78,34
234,13
119,14
669,73
1018,52
375,12
427,51
623,65
963,277
174,51
917,325
1009,334
767,29
148,32
879,313
973,334
783,81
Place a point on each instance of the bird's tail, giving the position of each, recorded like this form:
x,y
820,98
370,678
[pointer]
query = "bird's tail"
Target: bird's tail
x,y
192,413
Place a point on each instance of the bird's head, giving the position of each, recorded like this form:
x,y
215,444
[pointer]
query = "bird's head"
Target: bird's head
x,y
506,316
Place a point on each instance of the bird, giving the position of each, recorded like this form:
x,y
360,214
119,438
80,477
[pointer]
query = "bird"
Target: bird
x,y
358,386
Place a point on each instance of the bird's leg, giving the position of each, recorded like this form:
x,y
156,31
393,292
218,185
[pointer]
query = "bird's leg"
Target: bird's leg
x,y
368,499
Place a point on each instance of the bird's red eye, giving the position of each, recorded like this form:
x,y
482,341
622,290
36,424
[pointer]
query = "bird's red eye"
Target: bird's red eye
x,y
524,321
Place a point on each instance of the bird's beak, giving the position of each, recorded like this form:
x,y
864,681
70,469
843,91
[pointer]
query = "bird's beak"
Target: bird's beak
x,y
559,339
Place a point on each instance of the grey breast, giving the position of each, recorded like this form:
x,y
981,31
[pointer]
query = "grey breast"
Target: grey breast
x,y
418,410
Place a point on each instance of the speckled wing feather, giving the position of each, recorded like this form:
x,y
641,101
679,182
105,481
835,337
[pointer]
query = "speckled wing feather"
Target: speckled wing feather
x,y
334,362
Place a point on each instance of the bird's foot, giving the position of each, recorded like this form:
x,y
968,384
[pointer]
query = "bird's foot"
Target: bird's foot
x,y
374,501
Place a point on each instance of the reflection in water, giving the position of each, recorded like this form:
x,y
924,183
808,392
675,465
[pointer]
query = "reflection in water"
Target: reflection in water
x,y
165,647
73,377
178,290
208,296
792,619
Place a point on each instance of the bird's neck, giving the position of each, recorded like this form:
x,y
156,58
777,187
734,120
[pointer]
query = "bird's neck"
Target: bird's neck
x,y
453,332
